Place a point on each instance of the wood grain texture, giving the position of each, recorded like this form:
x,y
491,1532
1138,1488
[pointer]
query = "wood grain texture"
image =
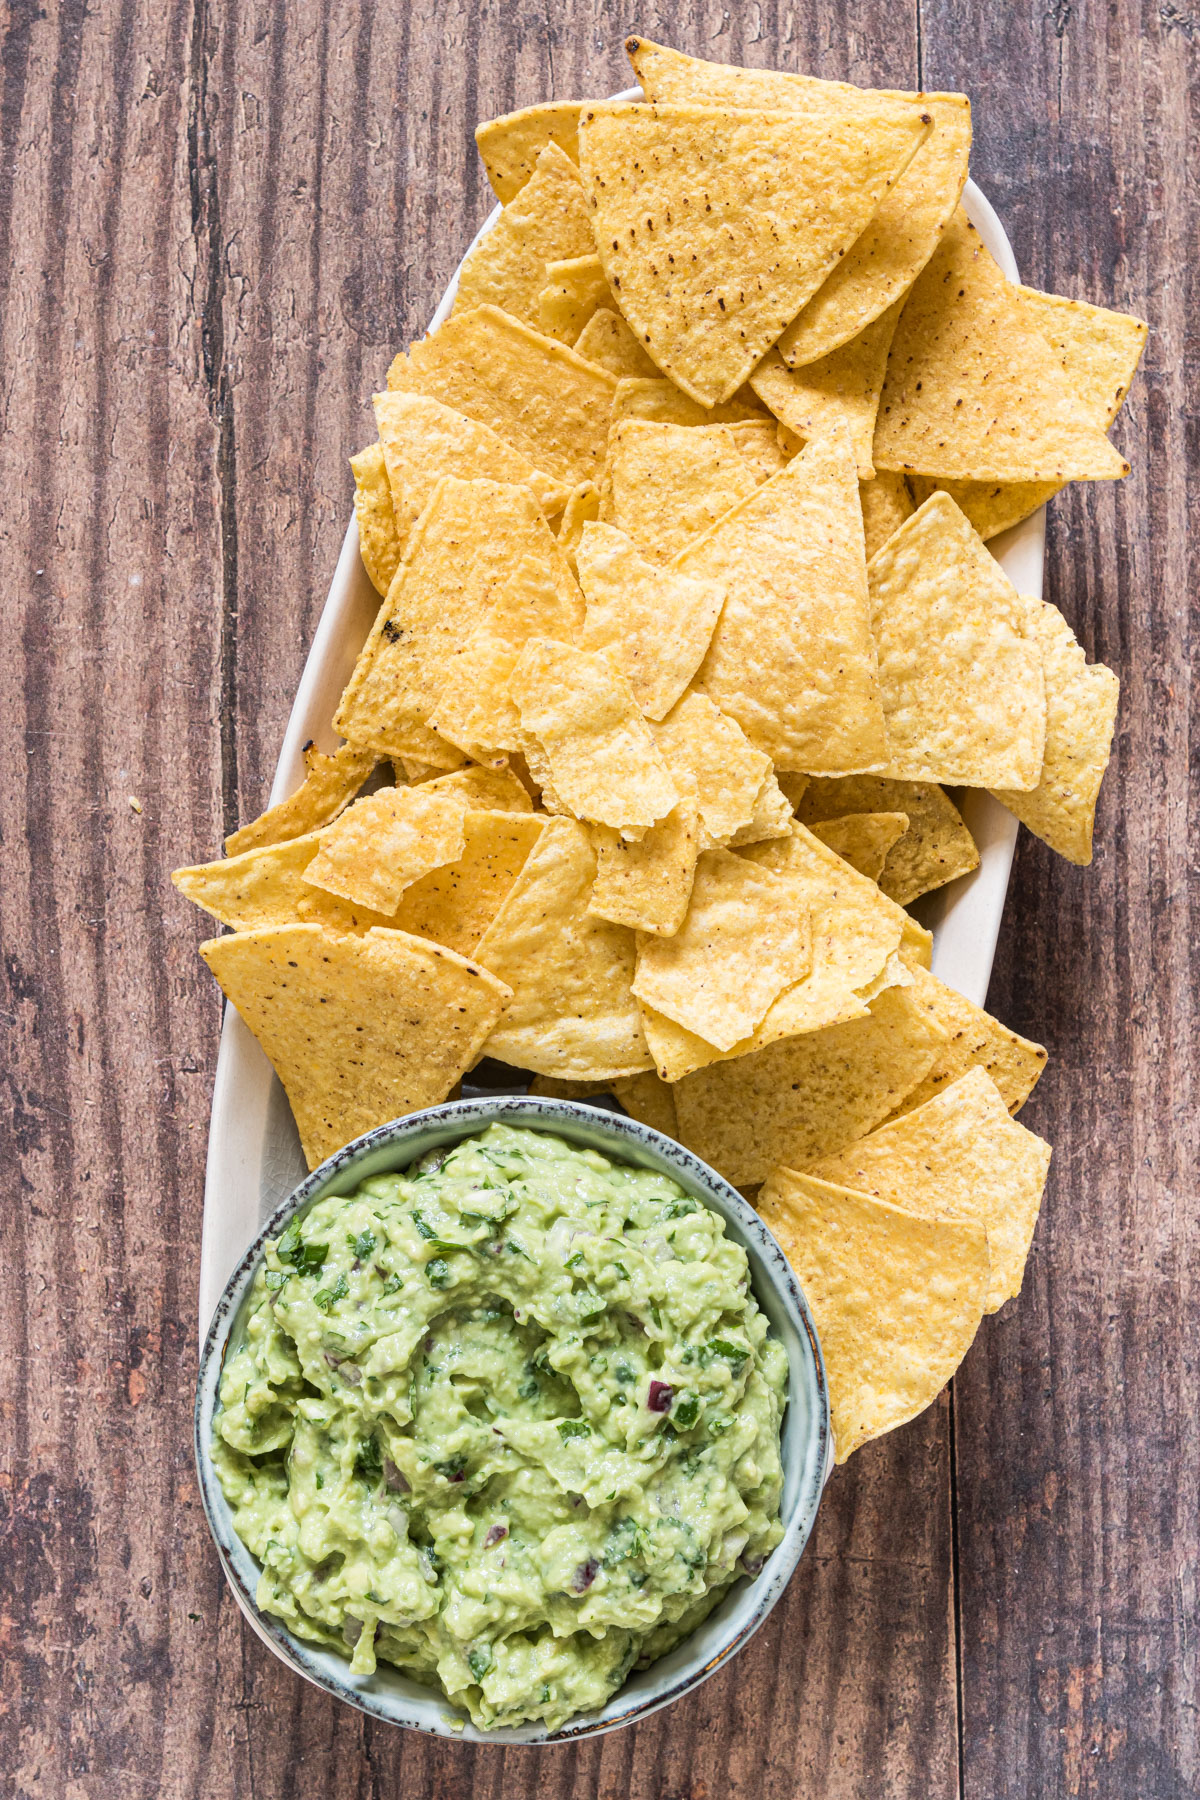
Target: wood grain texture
x,y
217,223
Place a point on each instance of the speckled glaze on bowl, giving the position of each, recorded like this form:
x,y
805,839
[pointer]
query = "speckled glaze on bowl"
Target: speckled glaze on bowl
x,y
389,1693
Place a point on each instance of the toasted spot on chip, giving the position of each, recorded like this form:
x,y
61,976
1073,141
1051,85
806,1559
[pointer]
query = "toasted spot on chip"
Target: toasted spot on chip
x,y
455,905
266,886
671,483
957,1156
935,849
863,839
360,1030
423,440
886,503
607,341
329,784
378,538
547,221
973,1038
896,1299
842,388
510,145
654,624
646,884
382,844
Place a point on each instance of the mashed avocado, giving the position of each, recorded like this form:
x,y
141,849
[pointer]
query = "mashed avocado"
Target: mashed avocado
x,y
509,1421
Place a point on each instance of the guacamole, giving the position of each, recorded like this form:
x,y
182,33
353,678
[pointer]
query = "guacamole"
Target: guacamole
x,y
509,1420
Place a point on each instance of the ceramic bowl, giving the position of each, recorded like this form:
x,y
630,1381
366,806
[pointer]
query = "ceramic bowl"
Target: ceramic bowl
x,y
389,1693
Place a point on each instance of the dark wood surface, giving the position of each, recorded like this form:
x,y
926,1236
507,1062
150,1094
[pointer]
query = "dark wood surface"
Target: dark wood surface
x,y
217,223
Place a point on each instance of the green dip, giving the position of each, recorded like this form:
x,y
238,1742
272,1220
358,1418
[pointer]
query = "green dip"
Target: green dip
x,y
509,1421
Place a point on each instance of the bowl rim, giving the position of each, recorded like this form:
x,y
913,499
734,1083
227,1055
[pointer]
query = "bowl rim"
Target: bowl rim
x,y
536,1112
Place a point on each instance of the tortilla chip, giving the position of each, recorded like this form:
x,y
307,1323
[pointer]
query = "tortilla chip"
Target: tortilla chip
x,y
936,848
650,1101
802,1097
575,289
473,706
607,340
771,818
654,624
410,771
536,394
471,535
266,886
776,198
329,784
360,1030
546,222
423,440
378,539
510,145
659,402
485,790
959,1156
896,1300
671,483
916,945
455,905
604,763
382,844
582,508
573,1013
740,946
1081,711
863,839
646,885
792,658
710,754
889,254
973,389
841,388
551,1088
960,666
886,503
758,442
973,1038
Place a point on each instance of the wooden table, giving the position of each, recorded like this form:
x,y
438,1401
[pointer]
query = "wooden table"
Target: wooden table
x,y
218,222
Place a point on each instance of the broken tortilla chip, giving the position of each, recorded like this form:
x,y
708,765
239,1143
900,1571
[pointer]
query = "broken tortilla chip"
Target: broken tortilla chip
x,y
647,884
510,145
841,388
378,538
330,783
266,886
973,1038
382,844
456,904
654,624
575,289
935,849
648,1100
607,340
546,222
863,839
886,503
582,508
711,755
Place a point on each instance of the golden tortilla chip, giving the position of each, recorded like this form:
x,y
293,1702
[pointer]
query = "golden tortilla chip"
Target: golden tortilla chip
x,y
916,945
607,340
653,623
886,503
777,198
973,1038
547,222
896,1300
863,839
382,844
646,885
604,763
423,440
1081,712
959,1156
378,538
792,658
485,790
551,1088
771,818
582,508
510,145
659,402
671,483
758,441
533,392
935,849
740,946
573,1013
455,905
360,1030
650,1101
575,289
710,754
329,784
802,1097
410,771
960,667
841,388
888,255
471,535
973,389
266,886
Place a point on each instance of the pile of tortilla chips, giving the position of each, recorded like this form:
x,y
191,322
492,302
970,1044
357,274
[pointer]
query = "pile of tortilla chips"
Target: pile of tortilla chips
x,y
688,624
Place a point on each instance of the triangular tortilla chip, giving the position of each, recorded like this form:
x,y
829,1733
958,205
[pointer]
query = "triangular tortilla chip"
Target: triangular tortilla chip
x,y
973,1038
974,390
792,658
958,1156
360,1030
604,763
896,1300
471,535
740,946
863,839
384,843
547,221
423,440
889,254
330,783
378,537
511,144
960,666
647,885
574,290
654,624
886,503
266,886
573,1013
802,1097
455,905
1081,711
660,402
649,1100
841,388
935,849
715,226
536,394
671,483
710,755
607,340
484,790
